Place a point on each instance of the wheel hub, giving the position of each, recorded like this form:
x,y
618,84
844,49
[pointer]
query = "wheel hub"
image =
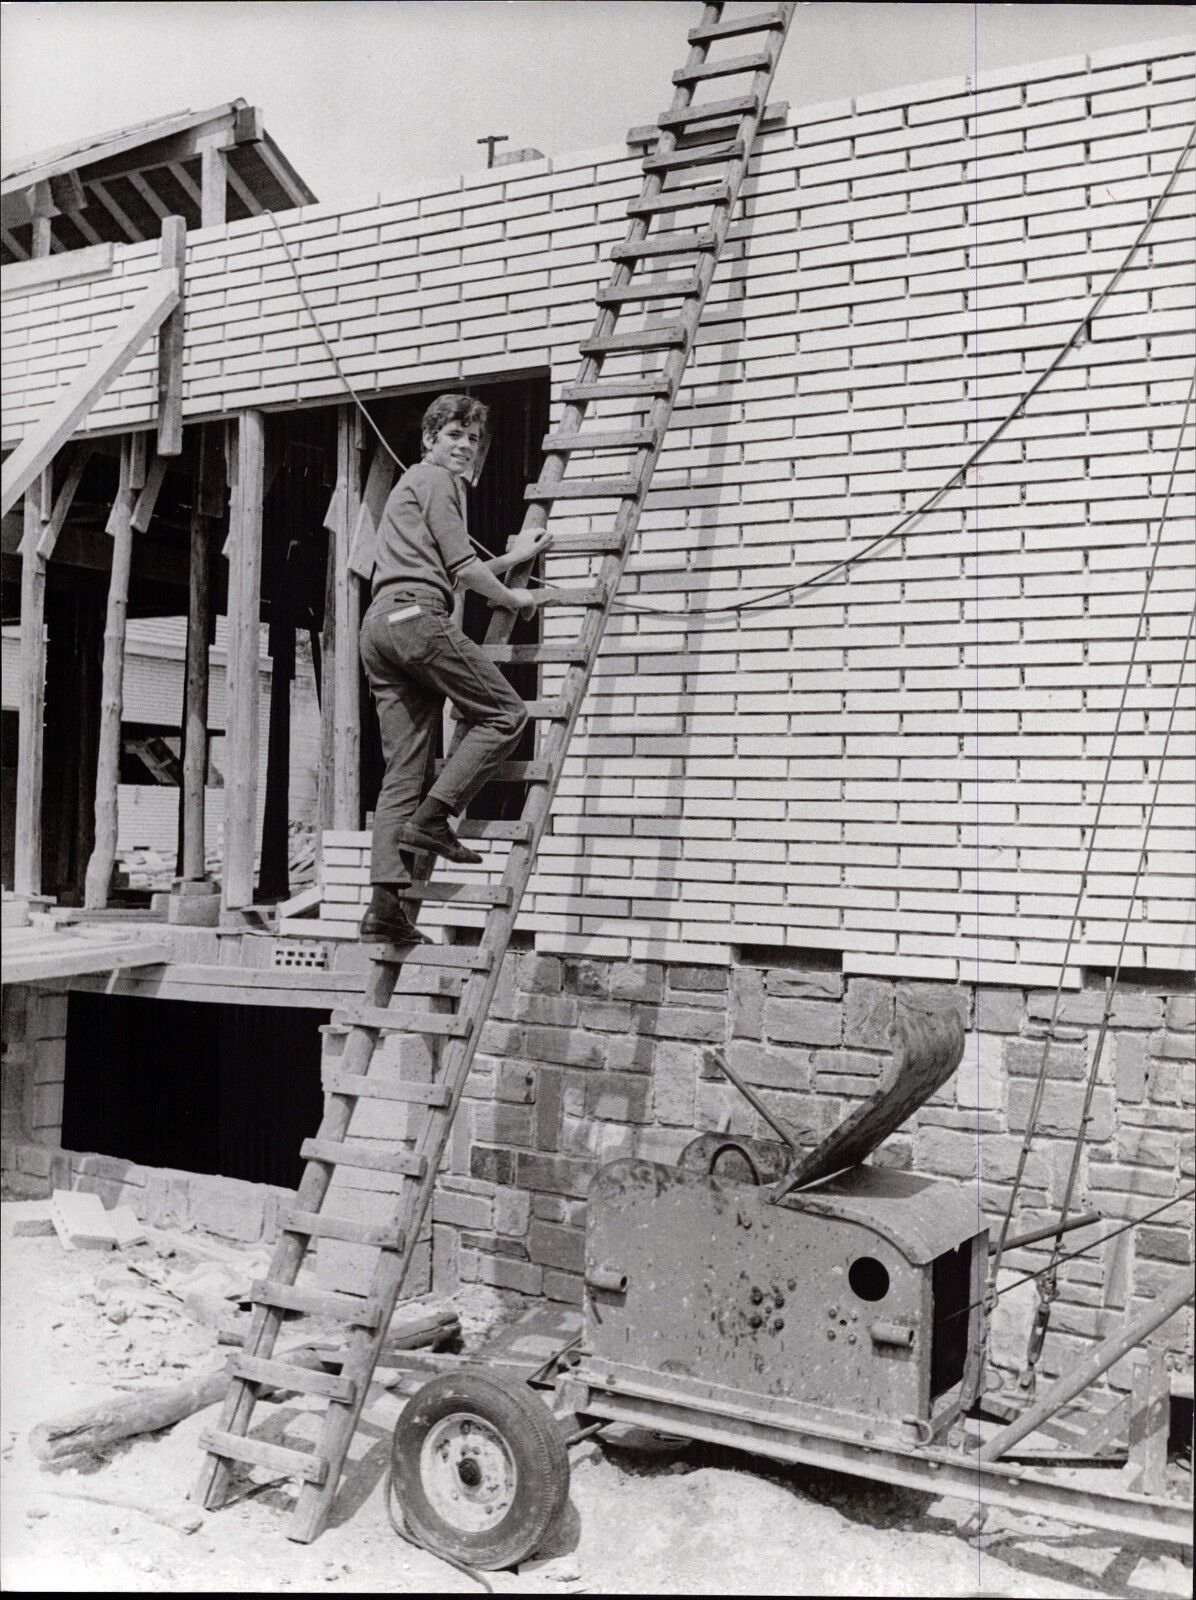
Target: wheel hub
x,y
468,1473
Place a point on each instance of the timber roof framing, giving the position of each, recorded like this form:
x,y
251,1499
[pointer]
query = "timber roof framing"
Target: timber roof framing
x,y
117,187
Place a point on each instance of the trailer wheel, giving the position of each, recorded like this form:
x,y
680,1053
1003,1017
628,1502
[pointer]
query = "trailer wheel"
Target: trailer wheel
x,y
481,1468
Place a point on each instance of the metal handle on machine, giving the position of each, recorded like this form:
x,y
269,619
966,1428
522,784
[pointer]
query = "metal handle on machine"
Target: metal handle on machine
x,y
608,1278
895,1333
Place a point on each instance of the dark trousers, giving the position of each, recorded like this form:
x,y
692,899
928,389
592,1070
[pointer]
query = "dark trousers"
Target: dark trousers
x,y
415,658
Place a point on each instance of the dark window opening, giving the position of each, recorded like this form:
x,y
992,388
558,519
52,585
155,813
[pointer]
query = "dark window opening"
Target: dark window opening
x,y
1171,980
224,1089
951,1288
869,1278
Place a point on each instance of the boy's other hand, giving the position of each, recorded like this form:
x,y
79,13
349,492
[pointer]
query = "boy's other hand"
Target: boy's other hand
x,y
527,546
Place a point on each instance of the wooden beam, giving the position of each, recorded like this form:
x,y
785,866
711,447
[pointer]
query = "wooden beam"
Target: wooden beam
x,y
284,174
346,697
244,656
147,498
42,236
213,187
195,695
149,194
118,214
14,244
173,258
103,852
40,445
185,181
243,192
326,778
62,505
27,863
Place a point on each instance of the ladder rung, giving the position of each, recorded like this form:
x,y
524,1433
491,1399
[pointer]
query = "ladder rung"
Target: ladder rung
x,y
467,829
573,655
584,489
701,155
666,337
318,1225
318,1302
586,544
664,289
255,1452
380,1087
628,439
756,61
352,1153
471,957
756,22
307,1380
744,105
666,244
681,199
389,1019
616,389
478,894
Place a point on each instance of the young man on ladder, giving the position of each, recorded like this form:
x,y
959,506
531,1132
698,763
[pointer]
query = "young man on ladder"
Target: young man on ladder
x,y
416,657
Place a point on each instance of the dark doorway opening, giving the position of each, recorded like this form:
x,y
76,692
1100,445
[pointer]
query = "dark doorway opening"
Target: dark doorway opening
x,y
225,1089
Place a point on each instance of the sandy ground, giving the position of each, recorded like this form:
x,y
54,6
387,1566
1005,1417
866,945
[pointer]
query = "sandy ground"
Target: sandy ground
x,y
672,1521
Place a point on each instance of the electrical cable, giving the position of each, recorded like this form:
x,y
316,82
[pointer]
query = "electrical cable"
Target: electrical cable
x,y
1094,829
1071,1255
821,577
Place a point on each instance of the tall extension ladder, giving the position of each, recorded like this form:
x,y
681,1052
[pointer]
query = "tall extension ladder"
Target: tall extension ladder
x,y
471,971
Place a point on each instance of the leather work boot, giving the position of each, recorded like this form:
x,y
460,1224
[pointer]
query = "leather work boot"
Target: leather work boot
x,y
386,922
436,836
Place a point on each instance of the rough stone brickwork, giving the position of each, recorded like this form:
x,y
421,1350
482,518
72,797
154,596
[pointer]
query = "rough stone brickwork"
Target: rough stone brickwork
x,y
902,767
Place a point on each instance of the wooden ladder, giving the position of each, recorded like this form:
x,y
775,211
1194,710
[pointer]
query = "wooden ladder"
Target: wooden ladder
x,y
717,133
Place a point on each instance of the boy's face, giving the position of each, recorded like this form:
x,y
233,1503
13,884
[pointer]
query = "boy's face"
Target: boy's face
x,y
454,447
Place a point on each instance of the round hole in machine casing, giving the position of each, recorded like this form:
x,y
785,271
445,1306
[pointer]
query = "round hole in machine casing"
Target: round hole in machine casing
x,y
868,1278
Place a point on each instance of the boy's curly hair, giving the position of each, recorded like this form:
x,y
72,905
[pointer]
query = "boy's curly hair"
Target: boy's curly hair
x,y
448,408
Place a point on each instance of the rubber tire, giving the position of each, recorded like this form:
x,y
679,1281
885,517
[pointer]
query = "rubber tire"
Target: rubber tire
x,y
531,1434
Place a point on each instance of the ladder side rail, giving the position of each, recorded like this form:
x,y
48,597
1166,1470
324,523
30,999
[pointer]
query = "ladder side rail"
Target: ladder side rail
x,y
553,469
457,1054
290,1248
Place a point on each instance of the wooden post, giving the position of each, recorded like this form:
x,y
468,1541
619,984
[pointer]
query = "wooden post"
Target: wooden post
x,y
120,526
27,863
173,255
326,784
347,721
1150,1422
244,653
195,692
213,186
274,876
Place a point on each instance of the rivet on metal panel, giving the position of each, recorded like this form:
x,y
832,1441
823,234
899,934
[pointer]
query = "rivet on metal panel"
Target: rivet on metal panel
x,y
757,1295
777,1324
832,1311
830,1333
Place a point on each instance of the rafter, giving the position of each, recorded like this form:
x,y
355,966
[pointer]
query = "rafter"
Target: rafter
x,y
128,227
149,194
184,180
243,192
14,244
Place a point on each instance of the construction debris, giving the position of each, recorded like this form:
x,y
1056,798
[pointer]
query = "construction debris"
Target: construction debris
x,y
82,1222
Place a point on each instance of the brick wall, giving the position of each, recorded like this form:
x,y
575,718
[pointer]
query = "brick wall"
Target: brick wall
x,y
901,768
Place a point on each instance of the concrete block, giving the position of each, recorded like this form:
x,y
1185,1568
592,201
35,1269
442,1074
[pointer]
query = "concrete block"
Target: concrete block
x,y
555,1174
562,1248
536,974
230,1209
785,984
1181,1011
868,1013
525,1277
461,1210
980,1078
586,977
618,1097
999,1010
770,1066
674,1087
802,1022
942,1150
564,1287
709,980
747,1003
512,1209
636,981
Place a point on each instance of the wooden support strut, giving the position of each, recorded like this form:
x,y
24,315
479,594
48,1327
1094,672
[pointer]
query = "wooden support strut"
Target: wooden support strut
x,y
27,864
195,695
170,343
244,657
346,699
120,526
